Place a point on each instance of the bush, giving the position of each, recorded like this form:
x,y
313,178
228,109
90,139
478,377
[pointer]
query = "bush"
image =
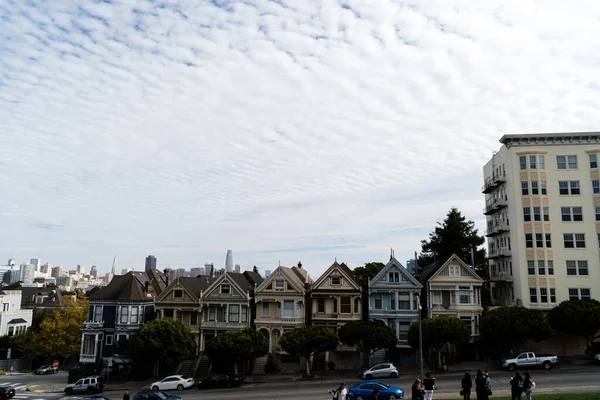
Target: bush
x,y
26,371
2,372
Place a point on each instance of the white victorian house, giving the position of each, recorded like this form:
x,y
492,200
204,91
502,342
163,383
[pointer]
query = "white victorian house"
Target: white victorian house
x,y
13,319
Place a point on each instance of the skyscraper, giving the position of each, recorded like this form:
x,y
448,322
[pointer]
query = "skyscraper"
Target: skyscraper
x,y
26,273
36,263
94,272
194,272
267,273
237,268
229,261
209,268
150,263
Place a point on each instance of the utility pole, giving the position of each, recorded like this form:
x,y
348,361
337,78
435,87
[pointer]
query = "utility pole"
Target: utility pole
x,y
420,336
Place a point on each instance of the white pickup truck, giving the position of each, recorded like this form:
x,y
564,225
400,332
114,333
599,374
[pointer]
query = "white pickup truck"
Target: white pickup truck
x,y
530,360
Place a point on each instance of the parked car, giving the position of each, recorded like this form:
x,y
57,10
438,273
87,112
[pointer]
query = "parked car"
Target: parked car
x,y
364,391
89,385
597,358
172,382
384,370
221,381
154,395
530,360
6,392
46,369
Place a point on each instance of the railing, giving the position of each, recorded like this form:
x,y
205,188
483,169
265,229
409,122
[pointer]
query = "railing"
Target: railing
x,y
501,277
497,229
502,252
343,347
493,181
93,324
495,205
87,358
223,324
392,312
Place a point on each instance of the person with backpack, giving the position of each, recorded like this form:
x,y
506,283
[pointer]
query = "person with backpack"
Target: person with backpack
x,y
516,386
480,386
417,390
528,385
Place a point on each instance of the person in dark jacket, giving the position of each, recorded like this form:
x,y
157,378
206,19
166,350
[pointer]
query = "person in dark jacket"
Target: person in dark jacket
x,y
516,386
528,385
480,386
429,386
466,384
417,390
126,395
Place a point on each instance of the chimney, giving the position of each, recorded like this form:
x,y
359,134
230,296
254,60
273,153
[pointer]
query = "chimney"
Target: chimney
x,y
166,272
299,265
255,269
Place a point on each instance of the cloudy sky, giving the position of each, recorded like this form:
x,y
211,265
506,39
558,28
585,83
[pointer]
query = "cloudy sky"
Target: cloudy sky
x,y
284,130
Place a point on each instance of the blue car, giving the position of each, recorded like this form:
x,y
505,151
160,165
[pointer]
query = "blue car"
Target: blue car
x,y
364,391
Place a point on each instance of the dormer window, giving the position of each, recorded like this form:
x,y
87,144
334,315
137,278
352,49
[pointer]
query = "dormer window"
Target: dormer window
x,y
394,277
336,281
225,289
278,283
178,293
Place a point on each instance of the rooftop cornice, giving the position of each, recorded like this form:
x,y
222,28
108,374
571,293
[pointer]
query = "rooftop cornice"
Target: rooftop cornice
x,y
549,139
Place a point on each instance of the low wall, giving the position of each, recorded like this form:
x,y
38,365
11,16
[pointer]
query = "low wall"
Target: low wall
x,y
16,364
559,344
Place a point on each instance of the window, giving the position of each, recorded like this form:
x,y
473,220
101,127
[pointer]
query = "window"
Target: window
x,y
378,301
583,294
530,267
109,340
346,305
464,295
568,187
597,212
523,162
542,162
596,186
394,277
124,314
526,214
574,187
266,310
89,345
524,188
321,305
454,270
225,288
552,295
571,214
565,213
563,187
212,312
392,301
336,281
11,331
593,161
97,313
548,240
566,162
178,293
537,214
467,320
134,314
579,267
550,264
532,162
234,313
244,314
335,305
577,214
403,301
543,187
5,306
535,187
598,235
580,240
543,295
573,240
529,240
539,240
279,284
541,267
194,318
533,295
288,309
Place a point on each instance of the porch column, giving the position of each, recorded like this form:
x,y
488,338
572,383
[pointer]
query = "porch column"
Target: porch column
x,y
397,329
175,314
412,301
226,313
270,340
456,295
201,344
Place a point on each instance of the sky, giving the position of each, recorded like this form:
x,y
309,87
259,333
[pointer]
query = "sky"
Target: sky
x,y
284,130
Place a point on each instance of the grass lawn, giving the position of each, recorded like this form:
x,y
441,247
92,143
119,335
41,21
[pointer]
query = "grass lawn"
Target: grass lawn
x,y
577,396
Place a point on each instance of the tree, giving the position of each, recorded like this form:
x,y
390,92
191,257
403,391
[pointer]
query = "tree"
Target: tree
x,y
60,332
577,317
368,336
437,332
307,341
508,328
237,346
369,270
165,341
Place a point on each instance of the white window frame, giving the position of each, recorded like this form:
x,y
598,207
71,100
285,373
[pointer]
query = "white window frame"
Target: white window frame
x,y
288,312
109,340
225,285
98,314
266,306
279,283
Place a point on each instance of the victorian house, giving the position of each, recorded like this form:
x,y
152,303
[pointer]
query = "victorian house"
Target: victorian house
x,y
116,312
393,295
336,298
280,304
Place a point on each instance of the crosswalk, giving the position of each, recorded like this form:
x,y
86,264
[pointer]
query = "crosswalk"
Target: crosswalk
x,y
21,391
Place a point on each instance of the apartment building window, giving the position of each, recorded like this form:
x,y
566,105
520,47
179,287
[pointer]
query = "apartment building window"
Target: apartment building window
x,y
579,267
543,295
537,214
288,308
532,162
552,295
124,314
583,294
530,267
596,186
571,214
523,162
597,209
569,187
234,313
527,214
378,301
541,267
543,187
548,240
598,235
550,264
539,240
533,295
593,161
546,214
266,310
566,162
535,187
529,240
574,240
524,188
542,162
89,345
345,305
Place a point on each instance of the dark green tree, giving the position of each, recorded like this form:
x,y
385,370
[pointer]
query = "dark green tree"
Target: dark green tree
x,y
577,317
437,332
162,342
307,341
236,346
506,329
367,336
369,270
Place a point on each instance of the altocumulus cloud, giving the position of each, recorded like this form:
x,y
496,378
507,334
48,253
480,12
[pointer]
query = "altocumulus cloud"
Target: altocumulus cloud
x,y
285,130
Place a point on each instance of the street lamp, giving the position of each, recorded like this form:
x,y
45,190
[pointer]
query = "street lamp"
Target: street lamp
x,y
420,335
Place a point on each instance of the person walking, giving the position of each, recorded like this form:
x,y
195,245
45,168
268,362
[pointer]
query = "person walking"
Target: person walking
x,y
375,394
341,392
528,385
480,386
429,386
417,390
466,384
516,386
126,395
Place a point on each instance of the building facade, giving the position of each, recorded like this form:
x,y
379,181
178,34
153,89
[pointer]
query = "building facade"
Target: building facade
x,y
13,319
542,195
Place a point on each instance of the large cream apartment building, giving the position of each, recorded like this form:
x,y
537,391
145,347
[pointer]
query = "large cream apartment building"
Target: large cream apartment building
x,y
542,196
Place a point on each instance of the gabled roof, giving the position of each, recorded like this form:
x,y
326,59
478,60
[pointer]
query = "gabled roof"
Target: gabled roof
x,y
431,271
194,286
389,266
243,282
132,287
288,274
17,321
52,295
343,269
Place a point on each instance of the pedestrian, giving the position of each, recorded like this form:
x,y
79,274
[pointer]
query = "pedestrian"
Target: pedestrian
x,y
126,395
429,386
375,394
528,385
466,384
516,386
480,386
488,383
417,390
340,393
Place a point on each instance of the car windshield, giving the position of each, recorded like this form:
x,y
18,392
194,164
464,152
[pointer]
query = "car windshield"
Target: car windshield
x,y
44,366
183,377
163,395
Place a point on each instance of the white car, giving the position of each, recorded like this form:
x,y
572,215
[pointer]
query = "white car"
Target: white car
x,y
173,382
597,357
384,370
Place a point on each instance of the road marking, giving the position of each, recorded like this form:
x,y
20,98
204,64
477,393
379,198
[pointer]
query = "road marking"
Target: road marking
x,y
39,391
32,386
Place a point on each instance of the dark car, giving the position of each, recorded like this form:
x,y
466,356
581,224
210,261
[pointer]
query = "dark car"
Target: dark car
x,y
46,369
221,381
6,392
154,395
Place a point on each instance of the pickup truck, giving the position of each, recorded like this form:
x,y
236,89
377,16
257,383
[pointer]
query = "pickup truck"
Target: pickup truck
x,y
530,360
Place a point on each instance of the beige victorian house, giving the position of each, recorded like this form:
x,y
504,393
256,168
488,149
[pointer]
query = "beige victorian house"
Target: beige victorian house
x,y
280,304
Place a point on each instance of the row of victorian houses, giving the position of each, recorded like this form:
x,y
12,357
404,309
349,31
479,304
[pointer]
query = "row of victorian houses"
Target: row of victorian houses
x,y
288,298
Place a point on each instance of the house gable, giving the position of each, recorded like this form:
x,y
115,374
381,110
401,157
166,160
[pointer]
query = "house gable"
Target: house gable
x,y
400,278
224,288
337,277
273,283
453,268
176,293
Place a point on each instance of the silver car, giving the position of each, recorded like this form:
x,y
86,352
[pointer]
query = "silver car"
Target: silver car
x,y
383,370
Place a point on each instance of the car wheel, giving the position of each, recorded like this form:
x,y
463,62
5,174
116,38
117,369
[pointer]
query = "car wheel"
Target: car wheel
x,y
369,376
180,387
392,396
512,367
90,391
547,365
393,375
69,392
155,388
